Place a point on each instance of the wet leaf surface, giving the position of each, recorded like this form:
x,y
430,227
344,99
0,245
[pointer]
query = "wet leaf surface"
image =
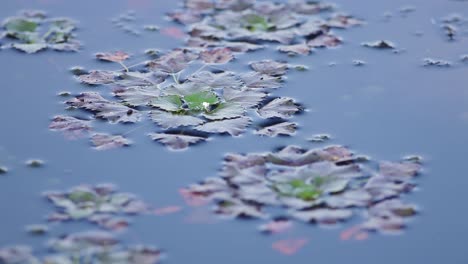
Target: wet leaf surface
x,y
217,56
284,128
118,56
176,141
97,77
71,127
295,49
173,120
102,141
325,41
256,80
234,127
105,109
282,107
270,67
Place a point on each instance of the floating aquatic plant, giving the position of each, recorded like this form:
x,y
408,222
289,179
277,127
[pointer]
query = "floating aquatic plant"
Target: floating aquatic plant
x,y
453,26
37,229
380,44
83,248
3,169
430,62
187,105
32,31
100,204
324,186
127,22
299,25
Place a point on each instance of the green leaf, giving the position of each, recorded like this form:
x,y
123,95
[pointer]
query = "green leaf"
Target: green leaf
x,y
82,196
201,101
297,183
29,48
172,103
26,37
308,194
256,23
20,25
299,189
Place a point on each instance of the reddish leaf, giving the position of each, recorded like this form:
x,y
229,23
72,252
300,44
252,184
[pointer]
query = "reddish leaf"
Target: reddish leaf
x,y
276,226
71,127
355,232
174,32
102,141
192,199
289,246
217,56
117,56
167,210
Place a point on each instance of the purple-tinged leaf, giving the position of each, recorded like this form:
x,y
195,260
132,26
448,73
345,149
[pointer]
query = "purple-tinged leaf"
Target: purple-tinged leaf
x,y
112,111
97,77
171,120
176,141
234,127
118,56
270,67
261,81
217,56
102,141
71,127
295,49
282,107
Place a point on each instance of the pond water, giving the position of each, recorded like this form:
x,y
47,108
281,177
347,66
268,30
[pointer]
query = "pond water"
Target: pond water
x,y
388,108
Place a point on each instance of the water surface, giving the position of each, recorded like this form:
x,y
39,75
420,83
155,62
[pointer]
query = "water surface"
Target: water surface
x,y
388,108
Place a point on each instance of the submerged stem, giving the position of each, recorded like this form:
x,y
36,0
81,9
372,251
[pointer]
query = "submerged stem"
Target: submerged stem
x,y
124,66
134,129
137,64
201,68
175,78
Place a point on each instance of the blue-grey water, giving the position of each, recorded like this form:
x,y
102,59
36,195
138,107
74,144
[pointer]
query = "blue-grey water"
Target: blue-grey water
x,y
388,108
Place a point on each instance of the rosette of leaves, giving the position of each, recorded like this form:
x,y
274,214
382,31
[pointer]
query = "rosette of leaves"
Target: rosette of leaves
x,y
187,107
323,186
33,31
89,247
299,26
99,247
100,204
215,103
